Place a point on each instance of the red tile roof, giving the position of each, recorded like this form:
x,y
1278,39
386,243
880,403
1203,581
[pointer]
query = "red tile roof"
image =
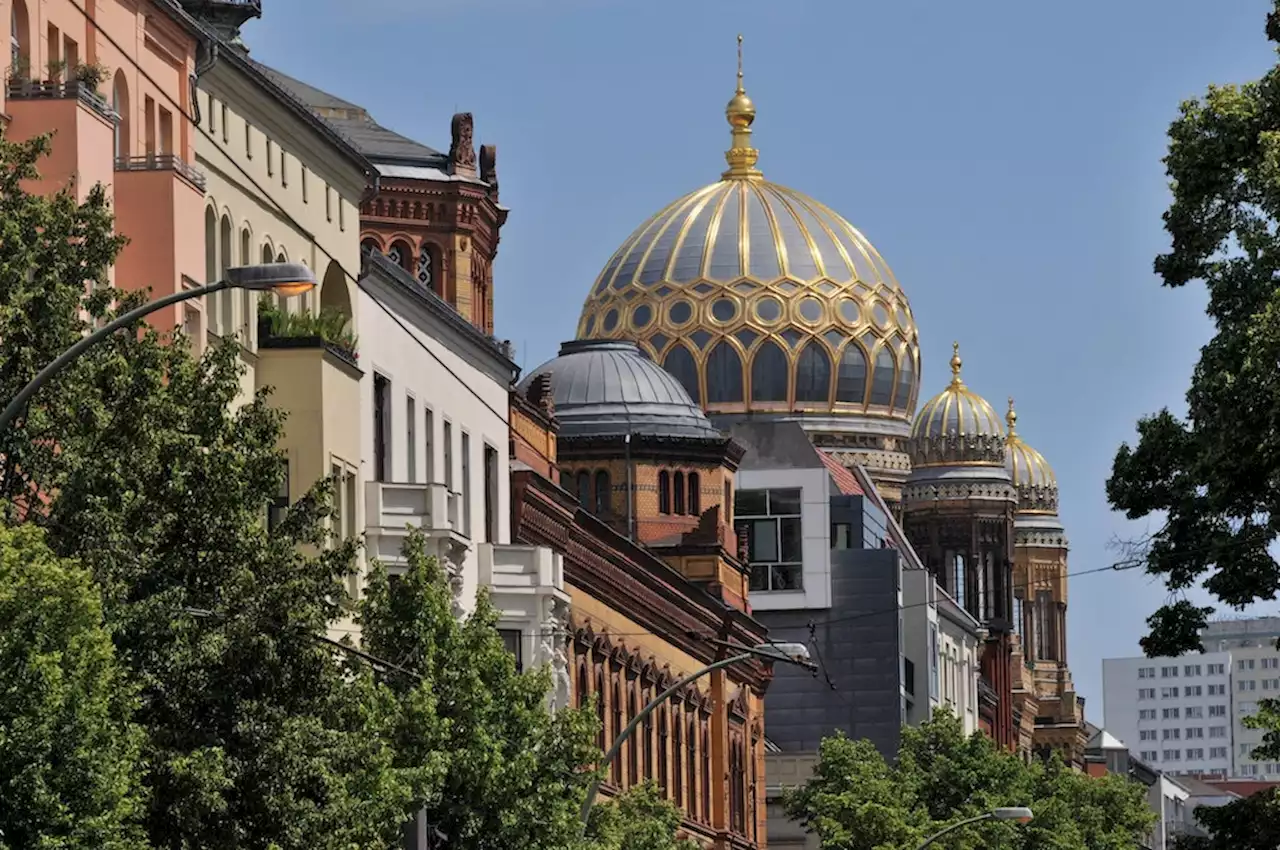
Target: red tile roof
x,y
844,479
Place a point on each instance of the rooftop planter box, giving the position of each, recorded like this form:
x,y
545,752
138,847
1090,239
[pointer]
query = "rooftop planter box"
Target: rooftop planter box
x,y
329,330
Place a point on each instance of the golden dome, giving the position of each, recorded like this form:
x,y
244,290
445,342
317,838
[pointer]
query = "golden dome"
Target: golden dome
x,y
956,427
1030,472
759,298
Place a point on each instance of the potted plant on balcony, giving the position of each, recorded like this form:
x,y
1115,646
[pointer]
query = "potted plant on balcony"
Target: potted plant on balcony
x,y
91,75
54,69
20,70
329,329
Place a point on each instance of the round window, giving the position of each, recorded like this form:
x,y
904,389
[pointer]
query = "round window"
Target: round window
x,y
724,310
610,320
810,309
768,309
680,312
641,316
849,311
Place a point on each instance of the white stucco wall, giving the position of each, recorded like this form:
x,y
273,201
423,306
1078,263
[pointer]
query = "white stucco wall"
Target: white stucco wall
x,y
815,532
424,365
939,636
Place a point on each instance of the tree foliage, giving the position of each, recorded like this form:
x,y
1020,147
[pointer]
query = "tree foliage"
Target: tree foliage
x,y
140,463
858,801
1215,475
69,753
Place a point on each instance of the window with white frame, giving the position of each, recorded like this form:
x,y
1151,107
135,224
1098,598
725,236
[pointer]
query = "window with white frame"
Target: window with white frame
x,y
770,519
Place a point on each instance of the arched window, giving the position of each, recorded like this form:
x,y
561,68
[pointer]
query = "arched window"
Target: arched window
x,y
211,264
677,748
268,253
603,492
248,298
706,769
813,374
426,270
227,296
584,689
401,255
906,372
120,103
677,491
695,494
691,761
616,767
584,488
333,290
600,711
648,734
851,377
882,379
282,257
371,246
633,746
18,52
662,749
769,373
679,362
724,375
664,492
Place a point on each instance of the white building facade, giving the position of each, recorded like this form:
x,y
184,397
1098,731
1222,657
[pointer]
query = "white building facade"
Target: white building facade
x,y
949,641
436,457
1255,672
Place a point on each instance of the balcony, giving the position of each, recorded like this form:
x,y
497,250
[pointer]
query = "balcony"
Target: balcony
x,y
83,128
73,90
162,162
513,568
392,509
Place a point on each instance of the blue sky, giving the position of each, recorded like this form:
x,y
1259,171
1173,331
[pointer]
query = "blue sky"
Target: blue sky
x,y
1004,156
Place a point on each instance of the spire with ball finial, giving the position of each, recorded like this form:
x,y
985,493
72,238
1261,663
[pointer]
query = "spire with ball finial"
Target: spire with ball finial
x,y
956,363
741,114
1011,418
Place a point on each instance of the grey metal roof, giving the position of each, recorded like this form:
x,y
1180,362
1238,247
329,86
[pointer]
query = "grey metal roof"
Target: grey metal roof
x,y
357,126
606,388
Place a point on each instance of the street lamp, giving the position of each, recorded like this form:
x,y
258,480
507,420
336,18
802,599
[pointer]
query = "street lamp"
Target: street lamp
x,y
791,653
1021,814
284,279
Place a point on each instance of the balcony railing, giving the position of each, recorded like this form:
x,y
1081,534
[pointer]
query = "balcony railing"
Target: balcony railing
x,y
163,162
510,566
72,90
392,508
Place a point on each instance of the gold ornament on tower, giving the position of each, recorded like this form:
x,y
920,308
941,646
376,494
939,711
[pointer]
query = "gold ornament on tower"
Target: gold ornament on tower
x,y
759,299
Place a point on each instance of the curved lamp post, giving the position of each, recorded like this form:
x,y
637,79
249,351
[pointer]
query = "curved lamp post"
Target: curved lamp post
x,y
1021,814
791,653
285,279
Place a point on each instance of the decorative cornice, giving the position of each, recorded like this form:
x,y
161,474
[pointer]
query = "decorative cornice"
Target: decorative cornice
x,y
954,449
629,578
1049,538
1038,499
723,451
941,491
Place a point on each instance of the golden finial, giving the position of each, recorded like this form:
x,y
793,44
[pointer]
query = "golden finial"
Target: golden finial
x,y
1012,418
741,113
956,363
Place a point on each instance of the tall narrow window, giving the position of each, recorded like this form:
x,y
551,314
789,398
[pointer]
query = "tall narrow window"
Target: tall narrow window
x,y
600,706
647,696
411,439
381,428
248,141
429,444
490,494
695,494
583,481
959,584
164,143
691,762
664,492
770,374
602,494
448,456
305,198
120,104
706,769
616,693
466,483
677,749
211,263
662,749
677,493
271,158
227,296
328,203
633,746
340,508
226,125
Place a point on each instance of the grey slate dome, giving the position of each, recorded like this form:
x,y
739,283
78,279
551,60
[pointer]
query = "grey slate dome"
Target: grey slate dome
x,y
605,388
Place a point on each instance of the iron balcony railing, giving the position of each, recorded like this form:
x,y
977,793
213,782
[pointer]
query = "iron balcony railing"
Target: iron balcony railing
x,y
73,89
162,162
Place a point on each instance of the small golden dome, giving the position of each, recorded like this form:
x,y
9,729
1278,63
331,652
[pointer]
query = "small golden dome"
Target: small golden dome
x,y
956,427
1030,472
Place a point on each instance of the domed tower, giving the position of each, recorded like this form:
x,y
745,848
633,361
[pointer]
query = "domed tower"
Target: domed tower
x,y
958,510
763,302
643,458
1040,598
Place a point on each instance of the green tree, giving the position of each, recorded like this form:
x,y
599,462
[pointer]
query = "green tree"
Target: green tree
x,y
254,734
69,752
858,801
1214,476
490,762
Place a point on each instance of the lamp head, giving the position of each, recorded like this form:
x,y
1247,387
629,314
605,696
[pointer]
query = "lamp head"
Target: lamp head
x,y
792,651
1021,814
284,279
